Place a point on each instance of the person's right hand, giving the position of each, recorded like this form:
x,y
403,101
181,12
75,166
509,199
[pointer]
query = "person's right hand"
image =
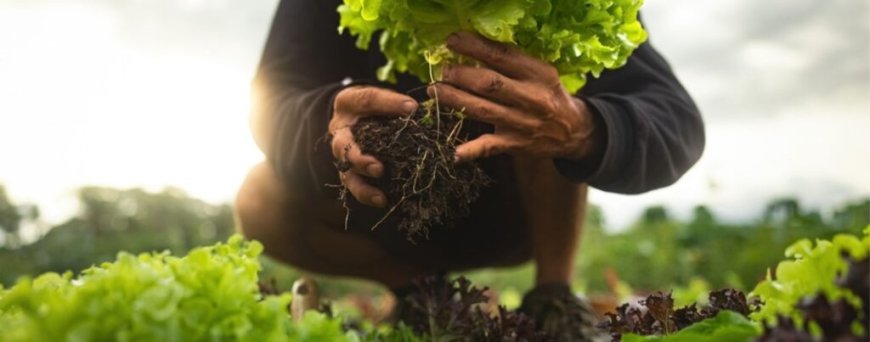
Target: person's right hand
x,y
350,105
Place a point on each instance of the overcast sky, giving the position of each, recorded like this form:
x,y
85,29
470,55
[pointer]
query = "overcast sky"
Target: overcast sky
x,y
155,92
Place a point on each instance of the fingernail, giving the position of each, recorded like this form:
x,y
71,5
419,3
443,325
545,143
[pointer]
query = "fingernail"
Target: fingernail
x,y
379,200
409,106
374,170
452,39
430,90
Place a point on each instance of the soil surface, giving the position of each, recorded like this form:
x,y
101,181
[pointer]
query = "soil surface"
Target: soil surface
x,y
424,187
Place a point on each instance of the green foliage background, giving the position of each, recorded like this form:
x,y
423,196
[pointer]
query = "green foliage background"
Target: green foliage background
x,y
656,252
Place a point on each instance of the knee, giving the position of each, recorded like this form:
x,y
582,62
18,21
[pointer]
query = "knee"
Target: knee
x,y
267,212
256,204
246,207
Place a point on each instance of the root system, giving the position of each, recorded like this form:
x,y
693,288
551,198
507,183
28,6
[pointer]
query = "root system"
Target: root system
x,y
424,187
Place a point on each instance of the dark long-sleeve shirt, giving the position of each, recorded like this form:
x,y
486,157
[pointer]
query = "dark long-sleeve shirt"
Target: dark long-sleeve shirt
x,y
654,131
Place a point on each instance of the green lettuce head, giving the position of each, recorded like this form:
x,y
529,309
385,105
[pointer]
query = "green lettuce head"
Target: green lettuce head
x,y
578,37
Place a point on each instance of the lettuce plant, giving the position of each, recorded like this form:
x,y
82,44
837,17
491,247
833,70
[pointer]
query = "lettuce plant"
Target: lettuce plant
x,y
811,270
578,37
210,294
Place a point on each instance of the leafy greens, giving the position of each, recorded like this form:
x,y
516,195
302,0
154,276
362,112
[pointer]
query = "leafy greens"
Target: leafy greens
x,y
577,37
812,270
210,294
820,293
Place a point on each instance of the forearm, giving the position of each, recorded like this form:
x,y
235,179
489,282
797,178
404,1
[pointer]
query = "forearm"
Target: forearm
x,y
303,64
652,131
290,126
649,144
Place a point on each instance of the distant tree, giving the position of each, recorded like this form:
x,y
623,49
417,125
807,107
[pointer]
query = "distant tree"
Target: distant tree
x,y
10,219
853,216
700,228
112,220
782,211
594,221
702,217
787,212
655,215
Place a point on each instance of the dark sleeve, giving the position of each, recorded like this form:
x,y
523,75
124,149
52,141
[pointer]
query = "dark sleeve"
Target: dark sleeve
x,y
303,65
652,128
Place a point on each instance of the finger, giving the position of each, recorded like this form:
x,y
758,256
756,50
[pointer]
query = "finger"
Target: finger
x,y
363,163
341,140
481,109
344,149
508,60
486,145
488,83
374,101
363,191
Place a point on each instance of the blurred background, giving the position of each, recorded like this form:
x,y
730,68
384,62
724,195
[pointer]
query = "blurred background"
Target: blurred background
x,y
123,126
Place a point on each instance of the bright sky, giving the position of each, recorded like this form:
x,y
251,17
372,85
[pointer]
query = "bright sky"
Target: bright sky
x,y
155,93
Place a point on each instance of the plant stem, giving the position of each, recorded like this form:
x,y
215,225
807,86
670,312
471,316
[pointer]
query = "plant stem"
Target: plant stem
x,y
435,90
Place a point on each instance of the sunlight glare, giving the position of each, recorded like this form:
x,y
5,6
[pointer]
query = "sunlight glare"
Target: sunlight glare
x,y
79,106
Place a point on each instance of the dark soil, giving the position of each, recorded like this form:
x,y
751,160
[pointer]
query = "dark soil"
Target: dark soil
x,y
424,187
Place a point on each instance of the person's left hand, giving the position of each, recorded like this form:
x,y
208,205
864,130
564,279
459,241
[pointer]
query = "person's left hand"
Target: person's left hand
x,y
533,114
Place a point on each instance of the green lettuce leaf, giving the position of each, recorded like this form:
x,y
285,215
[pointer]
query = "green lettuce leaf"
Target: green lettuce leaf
x,y
727,326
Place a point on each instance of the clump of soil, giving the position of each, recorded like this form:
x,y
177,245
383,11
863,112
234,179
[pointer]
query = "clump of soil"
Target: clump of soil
x,y
424,187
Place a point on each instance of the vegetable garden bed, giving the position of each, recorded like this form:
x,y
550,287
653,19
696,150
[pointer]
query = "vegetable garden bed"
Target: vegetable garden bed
x,y
818,294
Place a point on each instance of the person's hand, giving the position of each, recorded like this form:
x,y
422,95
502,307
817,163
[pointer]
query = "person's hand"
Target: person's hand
x,y
533,114
350,105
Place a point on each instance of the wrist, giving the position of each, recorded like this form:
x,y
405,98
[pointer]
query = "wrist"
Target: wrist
x,y
592,138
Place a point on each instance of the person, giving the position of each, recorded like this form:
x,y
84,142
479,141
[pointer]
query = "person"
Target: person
x,y
631,130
